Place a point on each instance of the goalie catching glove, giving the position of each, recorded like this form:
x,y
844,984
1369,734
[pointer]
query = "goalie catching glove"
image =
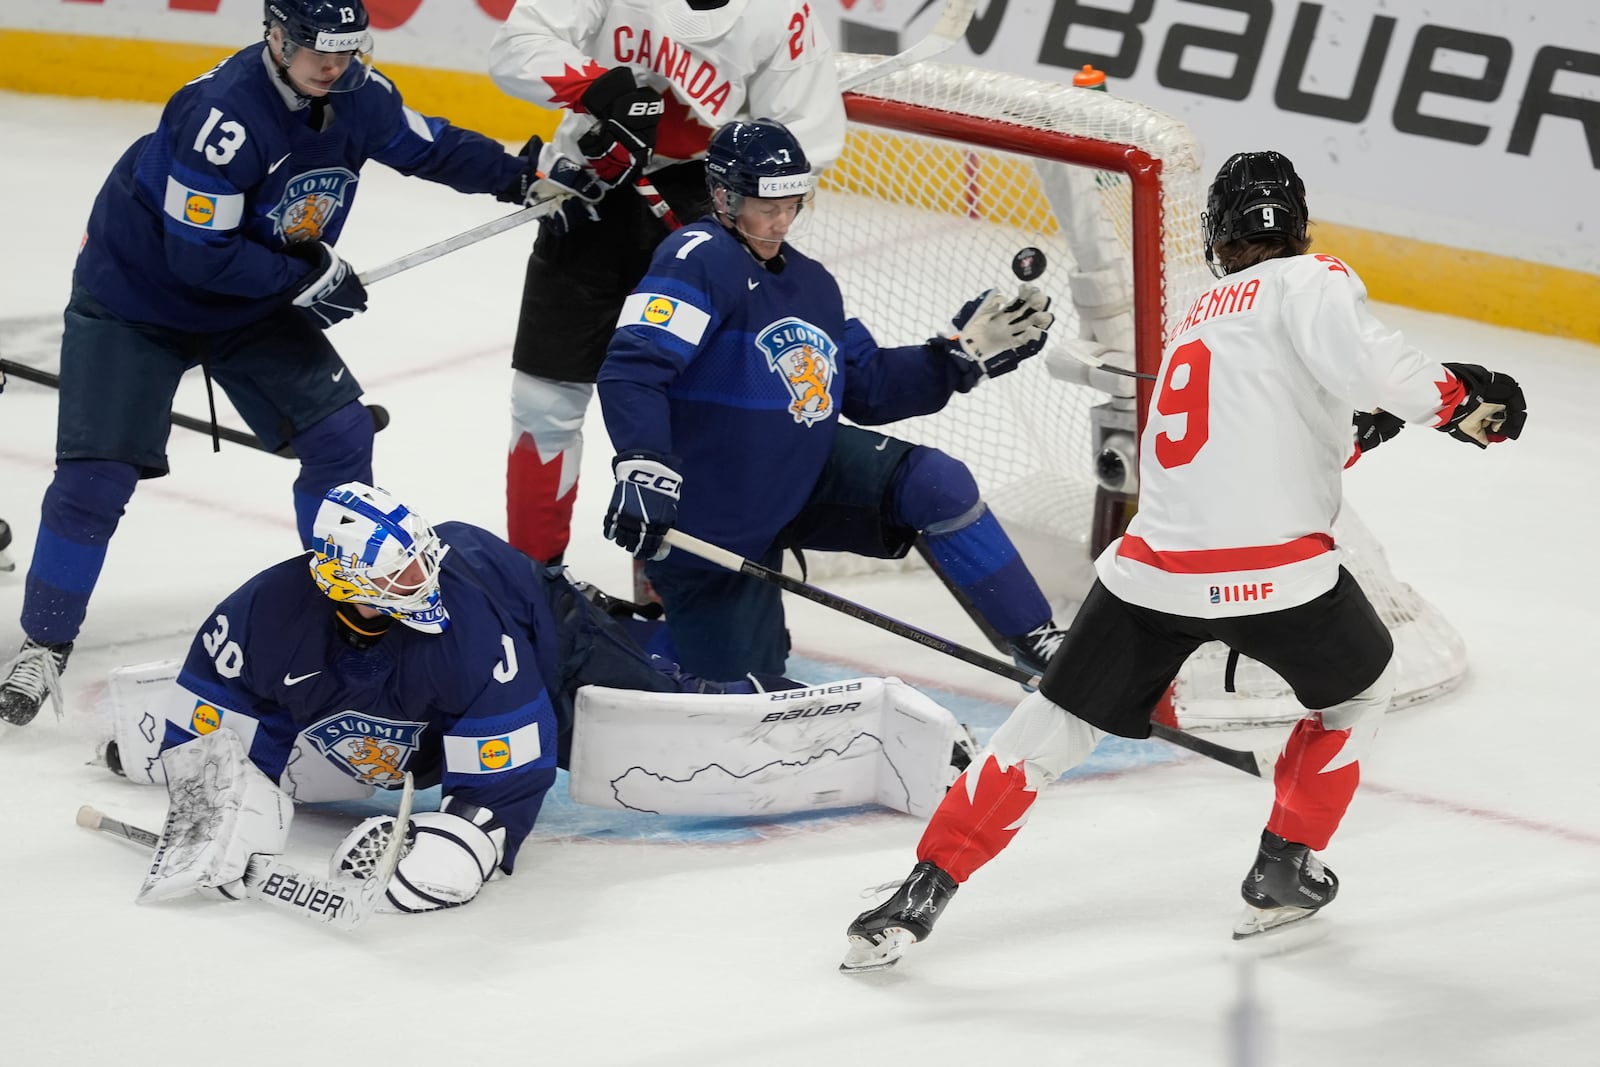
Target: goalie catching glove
x,y
450,854
1493,409
994,334
644,504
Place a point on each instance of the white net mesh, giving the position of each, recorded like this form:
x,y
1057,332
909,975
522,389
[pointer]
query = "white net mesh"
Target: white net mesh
x,y
947,173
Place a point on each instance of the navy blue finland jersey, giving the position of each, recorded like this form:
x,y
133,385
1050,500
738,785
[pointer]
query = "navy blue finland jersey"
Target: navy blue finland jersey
x,y
190,228
468,708
739,374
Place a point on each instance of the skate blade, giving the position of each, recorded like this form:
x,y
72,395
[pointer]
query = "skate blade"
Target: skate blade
x,y
868,955
1257,921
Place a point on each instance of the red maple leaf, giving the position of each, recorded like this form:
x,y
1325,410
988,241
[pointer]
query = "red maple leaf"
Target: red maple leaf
x,y
1451,394
569,85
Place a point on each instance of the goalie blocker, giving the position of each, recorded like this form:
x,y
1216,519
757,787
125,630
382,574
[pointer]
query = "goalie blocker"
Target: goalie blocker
x,y
843,744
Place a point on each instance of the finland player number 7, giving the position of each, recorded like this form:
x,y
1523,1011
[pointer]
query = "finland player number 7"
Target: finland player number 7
x,y
1192,400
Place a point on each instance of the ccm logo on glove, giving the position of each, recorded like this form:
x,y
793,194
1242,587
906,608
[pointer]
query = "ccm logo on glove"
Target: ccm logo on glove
x,y
661,481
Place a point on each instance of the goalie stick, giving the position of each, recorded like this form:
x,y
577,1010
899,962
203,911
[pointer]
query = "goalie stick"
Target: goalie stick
x,y
379,413
950,28
1258,763
341,903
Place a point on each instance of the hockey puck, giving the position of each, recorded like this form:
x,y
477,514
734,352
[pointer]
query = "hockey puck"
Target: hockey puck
x,y
1028,264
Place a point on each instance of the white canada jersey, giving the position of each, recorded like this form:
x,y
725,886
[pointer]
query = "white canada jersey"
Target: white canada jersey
x,y
1240,460
748,59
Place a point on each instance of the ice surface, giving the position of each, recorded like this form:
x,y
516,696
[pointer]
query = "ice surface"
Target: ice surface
x,y
1466,932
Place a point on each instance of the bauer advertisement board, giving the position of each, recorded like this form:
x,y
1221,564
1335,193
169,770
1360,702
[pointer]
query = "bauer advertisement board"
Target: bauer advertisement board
x,y
1473,125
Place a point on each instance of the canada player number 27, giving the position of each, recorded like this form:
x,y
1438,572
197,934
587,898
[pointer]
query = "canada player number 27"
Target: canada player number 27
x,y
1186,391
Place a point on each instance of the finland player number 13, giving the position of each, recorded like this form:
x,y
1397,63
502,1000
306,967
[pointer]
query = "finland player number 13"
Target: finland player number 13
x,y
1192,400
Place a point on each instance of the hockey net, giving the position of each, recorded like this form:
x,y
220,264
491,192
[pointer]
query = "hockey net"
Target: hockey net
x,y
948,172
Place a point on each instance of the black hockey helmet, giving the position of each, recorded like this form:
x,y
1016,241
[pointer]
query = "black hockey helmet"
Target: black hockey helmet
x,y
330,26
1255,194
760,159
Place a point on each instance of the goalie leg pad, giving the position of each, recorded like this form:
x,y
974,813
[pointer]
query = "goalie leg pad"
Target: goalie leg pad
x,y
221,811
1317,774
859,741
148,705
150,709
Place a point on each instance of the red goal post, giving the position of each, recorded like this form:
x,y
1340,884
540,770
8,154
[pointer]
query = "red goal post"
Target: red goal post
x,y
947,172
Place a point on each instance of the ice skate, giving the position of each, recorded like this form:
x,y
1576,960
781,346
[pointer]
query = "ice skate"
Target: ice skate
x,y
1032,651
1287,883
6,562
878,938
34,675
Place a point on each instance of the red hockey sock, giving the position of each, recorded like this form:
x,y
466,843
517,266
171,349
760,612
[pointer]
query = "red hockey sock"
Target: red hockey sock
x,y
538,513
978,817
1314,780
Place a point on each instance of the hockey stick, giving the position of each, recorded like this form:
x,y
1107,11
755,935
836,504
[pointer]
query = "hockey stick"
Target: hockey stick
x,y
1111,368
340,903
950,28
537,210
1257,763
380,414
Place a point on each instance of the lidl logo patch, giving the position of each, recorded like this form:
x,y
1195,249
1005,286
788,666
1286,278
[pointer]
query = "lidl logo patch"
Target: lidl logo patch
x,y
205,718
494,753
200,209
659,311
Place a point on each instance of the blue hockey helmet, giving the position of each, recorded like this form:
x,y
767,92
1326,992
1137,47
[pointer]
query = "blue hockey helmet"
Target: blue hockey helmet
x,y
760,159
1255,194
333,27
368,548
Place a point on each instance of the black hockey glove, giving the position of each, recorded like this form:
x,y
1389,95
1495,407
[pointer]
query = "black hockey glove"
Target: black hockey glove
x,y
547,176
624,137
644,504
331,292
572,213
994,334
1492,411
1373,428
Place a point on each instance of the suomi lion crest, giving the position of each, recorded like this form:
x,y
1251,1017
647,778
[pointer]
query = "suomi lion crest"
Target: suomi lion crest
x,y
805,360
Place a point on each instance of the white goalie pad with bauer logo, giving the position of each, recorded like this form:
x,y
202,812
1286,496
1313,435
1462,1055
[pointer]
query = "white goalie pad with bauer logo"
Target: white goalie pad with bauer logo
x,y
844,744
861,741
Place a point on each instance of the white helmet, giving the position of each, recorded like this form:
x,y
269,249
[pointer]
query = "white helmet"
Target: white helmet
x,y
368,548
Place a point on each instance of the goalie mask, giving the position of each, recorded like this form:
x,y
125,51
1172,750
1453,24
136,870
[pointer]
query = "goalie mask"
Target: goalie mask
x,y
368,548
337,29
1255,194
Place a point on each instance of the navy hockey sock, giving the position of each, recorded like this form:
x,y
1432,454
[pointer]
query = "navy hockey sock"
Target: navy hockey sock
x,y
81,510
937,495
334,451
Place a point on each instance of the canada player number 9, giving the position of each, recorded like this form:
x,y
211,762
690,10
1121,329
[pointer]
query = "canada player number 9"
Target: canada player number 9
x,y
1192,400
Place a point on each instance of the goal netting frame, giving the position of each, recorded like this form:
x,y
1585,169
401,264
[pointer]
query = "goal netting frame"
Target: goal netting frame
x,y
948,171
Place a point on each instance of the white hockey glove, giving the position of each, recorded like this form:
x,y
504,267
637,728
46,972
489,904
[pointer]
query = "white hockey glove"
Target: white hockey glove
x,y
994,333
452,852
644,503
549,178
221,811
